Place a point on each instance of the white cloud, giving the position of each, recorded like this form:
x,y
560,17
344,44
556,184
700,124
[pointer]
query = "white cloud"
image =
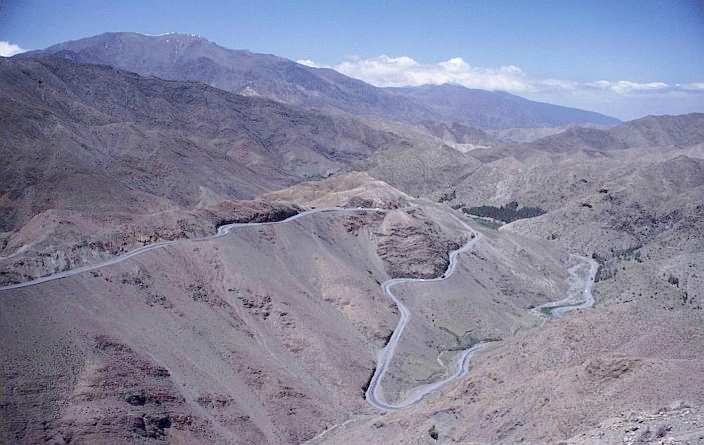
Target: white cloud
x,y
696,86
625,87
622,98
8,49
310,63
385,71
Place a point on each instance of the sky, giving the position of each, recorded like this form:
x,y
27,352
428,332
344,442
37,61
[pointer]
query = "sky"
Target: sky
x,y
623,58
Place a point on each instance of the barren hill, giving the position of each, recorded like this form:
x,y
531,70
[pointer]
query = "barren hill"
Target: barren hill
x,y
264,336
652,131
610,374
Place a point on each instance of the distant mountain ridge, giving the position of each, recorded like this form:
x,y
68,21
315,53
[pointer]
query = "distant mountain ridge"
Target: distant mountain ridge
x,y
193,58
187,57
684,130
498,109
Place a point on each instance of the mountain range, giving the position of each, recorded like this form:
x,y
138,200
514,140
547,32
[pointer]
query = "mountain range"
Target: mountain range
x,y
183,57
270,334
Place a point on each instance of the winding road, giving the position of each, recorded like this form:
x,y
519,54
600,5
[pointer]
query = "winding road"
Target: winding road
x,y
561,308
222,231
386,354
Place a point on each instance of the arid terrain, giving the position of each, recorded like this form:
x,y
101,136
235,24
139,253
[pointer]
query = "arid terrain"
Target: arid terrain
x,y
271,333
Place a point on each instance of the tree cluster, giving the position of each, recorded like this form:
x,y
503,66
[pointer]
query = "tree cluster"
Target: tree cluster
x,y
508,213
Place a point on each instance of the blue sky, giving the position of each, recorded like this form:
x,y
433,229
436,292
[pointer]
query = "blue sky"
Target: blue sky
x,y
623,58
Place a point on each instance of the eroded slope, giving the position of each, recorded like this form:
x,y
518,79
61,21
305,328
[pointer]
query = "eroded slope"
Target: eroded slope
x,y
266,335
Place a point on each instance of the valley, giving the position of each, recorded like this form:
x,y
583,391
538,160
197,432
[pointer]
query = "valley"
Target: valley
x,y
212,246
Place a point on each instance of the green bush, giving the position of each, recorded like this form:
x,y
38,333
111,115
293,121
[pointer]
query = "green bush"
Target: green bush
x,y
433,432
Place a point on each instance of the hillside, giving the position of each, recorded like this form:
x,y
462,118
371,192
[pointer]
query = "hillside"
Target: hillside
x,y
611,374
651,131
89,146
238,339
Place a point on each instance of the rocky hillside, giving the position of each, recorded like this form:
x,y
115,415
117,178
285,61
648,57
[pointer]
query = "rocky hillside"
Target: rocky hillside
x,y
101,120
234,340
553,171
199,343
89,148
608,374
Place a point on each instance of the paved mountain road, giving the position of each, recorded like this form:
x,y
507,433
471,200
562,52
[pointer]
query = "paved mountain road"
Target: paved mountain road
x,y
222,231
387,353
562,307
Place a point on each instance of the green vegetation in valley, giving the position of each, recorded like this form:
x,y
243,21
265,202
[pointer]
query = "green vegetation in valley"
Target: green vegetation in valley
x,y
609,265
548,310
433,431
486,222
508,213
